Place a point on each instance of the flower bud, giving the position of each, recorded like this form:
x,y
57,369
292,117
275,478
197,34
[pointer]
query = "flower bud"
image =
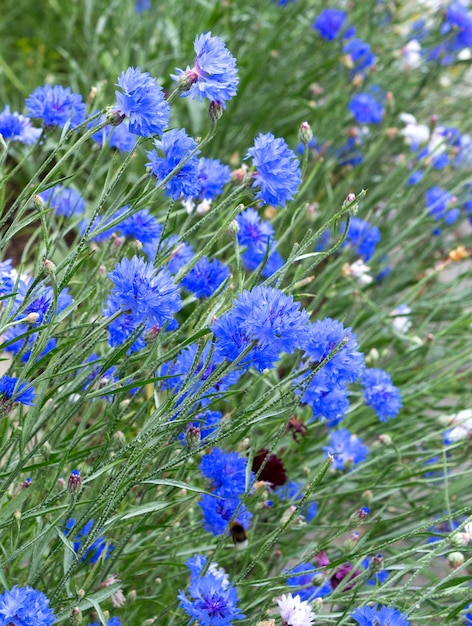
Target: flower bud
x,y
114,117
131,596
27,483
193,436
367,497
119,439
305,134
455,559
32,317
75,617
233,227
215,111
74,484
49,267
459,540
38,203
385,440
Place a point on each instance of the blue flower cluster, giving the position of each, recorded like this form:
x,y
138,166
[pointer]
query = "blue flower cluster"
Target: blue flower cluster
x,y
210,598
119,137
24,606
12,390
214,75
227,473
366,108
65,200
360,54
381,394
206,277
147,299
263,323
278,173
326,391
142,100
16,127
438,204
304,582
99,547
379,616
56,106
346,448
257,236
362,237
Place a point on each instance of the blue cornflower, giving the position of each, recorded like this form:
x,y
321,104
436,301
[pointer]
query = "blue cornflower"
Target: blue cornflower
x,y
346,448
257,236
24,606
328,398
379,616
205,277
16,127
381,394
7,281
320,340
196,564
349,153
438,201
214,74
278,173
363,237
309,590
114,621
12,391
56,105
329,23
65,200
142,5
118,137
360,53
39,299
219,511
150,297
226,470
94,551
141,225
177,373
176,146
264,317
212,176
142,100
366,109
211,600
459,20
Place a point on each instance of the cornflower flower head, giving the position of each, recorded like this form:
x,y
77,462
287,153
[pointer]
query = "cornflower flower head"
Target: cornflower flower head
x,y
142,100
212,600
329,23
142,5
278,173
212,176
362,237
16,127
438,201
218,511
24,606
141,226
328,398
205,423
294,611
150,297
257,236
366,109
346,448
459,21
379,616
379,575
177,373
12,391
176,147
7,277
227,472
196,564
40,300
206,277
214,75
94,551
344,571
65,200
360,53
381,394
322,338
119,137
56,105
299,577
273,471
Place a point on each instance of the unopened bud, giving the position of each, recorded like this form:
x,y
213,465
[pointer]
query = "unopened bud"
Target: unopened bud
x,y
49,267
131,596
137,245
32,317
193,436
215,111
233,227
75,617
385,440
17,515
81,594
27,483
455,559
114,117
459,540
119,439
152,333
367,497
305,134
360,515
38,203
350,543
74,484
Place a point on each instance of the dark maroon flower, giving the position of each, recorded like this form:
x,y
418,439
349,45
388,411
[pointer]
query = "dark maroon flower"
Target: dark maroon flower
x,y
273,471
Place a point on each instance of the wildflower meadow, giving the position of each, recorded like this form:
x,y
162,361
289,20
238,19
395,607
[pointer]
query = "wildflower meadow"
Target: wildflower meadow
x,y
235,309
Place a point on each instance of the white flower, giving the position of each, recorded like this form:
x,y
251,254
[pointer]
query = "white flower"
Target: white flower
x,y
294,611
401,322
359,271
414,133
461,425
411,55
